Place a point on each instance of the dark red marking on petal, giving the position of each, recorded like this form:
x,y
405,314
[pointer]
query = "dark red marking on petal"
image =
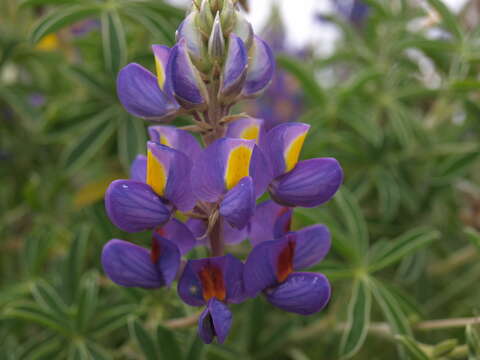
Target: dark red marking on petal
x,y
212,282
288,224
285,261
155,253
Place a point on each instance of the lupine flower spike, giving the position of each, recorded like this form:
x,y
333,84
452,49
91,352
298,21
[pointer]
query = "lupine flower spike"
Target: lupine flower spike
x,y
187,194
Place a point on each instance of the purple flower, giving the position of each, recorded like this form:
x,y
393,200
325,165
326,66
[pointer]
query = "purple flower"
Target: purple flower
x,y
213,282
306,183
354,11
261,68
134,205
144,94
272,268
186,81
247,128
234,170
176,139
131,265
270,221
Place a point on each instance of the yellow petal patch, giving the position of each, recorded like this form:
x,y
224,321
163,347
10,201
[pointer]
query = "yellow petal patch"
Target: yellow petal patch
x,y
293,152
250,133
164,140
156,175
160,73
49,42
238,165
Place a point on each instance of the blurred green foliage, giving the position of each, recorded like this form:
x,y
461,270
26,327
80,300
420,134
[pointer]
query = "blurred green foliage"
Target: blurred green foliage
x,y
400,111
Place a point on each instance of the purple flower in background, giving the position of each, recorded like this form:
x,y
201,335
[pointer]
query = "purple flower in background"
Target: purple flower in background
x,y
36,99
213,282
354,11
283,100
83,27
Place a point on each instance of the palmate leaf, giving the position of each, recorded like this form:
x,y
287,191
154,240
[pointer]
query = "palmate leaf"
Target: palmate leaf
x,y
113,40
31,312
391,308
195,349
412,347
61,17
75,260
143,339
168,345
131,139
87,301
473,342
358,319
86,145
49,299
354,221
111,317
402,246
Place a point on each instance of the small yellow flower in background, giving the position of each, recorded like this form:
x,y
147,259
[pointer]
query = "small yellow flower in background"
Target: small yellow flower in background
x,y
49,42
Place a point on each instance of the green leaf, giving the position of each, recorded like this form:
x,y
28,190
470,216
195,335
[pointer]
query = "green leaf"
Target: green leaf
x,y
454,166
131,139
473,342
61,17
449,19
412,347
168,344
88,144
305,76
114,43
402,246
87,301
358,319
389,194
391,308
49,299
473,235
95,83
195,349
154,22
78,351
31,312
256,322
354,221
112,317
75,260
143,339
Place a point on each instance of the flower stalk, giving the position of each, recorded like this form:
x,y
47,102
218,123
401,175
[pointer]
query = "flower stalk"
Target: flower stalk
x,y
217,62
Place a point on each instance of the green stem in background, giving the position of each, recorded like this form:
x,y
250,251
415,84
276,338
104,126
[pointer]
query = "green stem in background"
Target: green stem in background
x,y
383,329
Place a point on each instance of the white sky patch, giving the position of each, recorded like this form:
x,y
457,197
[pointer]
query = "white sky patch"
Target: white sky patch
x,y
299,17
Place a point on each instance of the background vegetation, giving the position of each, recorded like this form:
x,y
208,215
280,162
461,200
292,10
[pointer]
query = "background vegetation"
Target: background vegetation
x,y
397,105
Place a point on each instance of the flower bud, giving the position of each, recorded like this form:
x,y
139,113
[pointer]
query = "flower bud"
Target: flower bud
x,y
234,69
205,18
243,29
196,47
187,84
216,43
261,67
216,5
227,16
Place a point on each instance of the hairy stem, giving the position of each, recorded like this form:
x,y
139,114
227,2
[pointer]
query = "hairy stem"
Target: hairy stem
x,y
216,239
